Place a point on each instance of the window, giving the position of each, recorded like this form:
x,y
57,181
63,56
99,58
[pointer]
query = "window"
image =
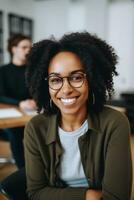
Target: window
x,y
19,24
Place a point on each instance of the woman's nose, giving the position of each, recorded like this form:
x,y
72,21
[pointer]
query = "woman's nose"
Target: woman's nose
x,y
66,87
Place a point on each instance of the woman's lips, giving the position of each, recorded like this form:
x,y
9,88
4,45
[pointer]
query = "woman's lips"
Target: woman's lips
x,y
68,101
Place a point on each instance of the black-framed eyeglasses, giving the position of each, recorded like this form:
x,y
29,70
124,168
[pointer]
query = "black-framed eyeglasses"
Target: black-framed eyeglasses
x,y
56,82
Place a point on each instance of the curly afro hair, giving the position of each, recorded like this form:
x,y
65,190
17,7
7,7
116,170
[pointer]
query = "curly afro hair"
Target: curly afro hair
x,y
97,57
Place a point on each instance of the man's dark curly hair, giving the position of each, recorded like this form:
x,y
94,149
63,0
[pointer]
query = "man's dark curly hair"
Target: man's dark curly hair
x,y
97,57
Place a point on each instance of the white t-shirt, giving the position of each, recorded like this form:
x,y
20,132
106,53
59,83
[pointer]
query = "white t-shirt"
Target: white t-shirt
x,y
71,169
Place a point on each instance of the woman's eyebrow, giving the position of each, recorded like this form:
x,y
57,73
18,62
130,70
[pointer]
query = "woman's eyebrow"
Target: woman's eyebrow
x,y
54,73
72,72
78,70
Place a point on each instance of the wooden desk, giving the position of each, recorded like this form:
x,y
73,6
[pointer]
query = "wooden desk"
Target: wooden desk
x,y
14,122
10,123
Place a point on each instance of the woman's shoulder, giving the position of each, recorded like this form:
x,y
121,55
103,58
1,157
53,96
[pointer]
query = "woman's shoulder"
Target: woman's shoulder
x,y
42,120
110,121
113,111
41,128
108,118
110,114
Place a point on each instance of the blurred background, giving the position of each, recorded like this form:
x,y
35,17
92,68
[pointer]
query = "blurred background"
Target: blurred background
x,y
112,20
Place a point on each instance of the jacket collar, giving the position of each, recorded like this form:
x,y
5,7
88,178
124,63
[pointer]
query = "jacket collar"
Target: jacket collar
x,y
52,131
93,123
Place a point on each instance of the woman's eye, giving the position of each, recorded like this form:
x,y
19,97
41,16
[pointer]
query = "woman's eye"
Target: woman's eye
x,y
55,80
77,77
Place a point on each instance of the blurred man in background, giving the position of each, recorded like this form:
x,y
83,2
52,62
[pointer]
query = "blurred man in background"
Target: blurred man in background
x,y
13,90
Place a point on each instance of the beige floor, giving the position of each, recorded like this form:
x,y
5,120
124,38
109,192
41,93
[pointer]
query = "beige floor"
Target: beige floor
x,y
5,170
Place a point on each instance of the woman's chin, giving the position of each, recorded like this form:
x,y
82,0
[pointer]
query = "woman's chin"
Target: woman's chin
x,y
69,111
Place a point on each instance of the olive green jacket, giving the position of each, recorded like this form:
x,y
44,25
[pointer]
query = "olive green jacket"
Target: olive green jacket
x,y
105,154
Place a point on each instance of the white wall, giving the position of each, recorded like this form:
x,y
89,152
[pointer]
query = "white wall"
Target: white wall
x,y
114,22
76,16
96,17
59,16
50,18
23,8
88,15
121,36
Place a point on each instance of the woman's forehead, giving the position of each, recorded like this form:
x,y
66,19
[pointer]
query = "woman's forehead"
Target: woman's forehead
x,y
65,62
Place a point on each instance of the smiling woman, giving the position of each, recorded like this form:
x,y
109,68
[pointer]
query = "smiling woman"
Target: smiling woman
x,y
77,148
70,95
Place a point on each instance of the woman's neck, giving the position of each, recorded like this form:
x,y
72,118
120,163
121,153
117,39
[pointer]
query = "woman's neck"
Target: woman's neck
x,y
71,123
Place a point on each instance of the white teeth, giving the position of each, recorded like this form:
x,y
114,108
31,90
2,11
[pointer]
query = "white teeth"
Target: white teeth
x,y
68,101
